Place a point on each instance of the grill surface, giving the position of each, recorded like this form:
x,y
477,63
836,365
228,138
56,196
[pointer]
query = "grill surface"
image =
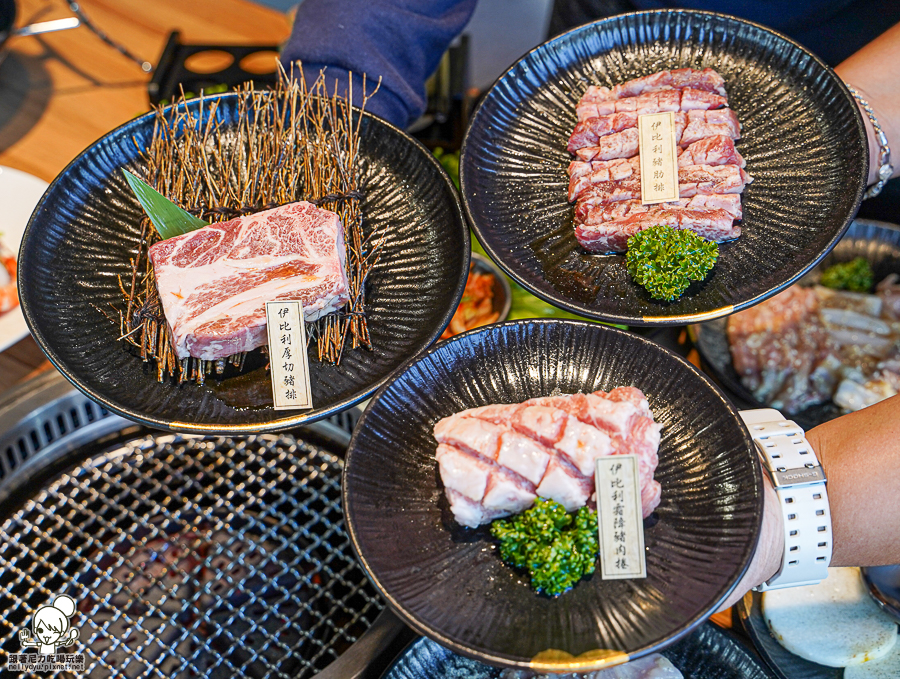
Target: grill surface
x,y
191,556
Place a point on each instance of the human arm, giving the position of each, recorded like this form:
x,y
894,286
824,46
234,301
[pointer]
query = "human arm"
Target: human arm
x,y
399,41
860,454
875,72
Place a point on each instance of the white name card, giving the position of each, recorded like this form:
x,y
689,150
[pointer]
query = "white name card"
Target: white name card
x,y
288,362
659,158
619,517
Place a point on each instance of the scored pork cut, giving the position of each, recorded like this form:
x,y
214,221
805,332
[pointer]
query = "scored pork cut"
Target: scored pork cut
x,y
495,460
214,282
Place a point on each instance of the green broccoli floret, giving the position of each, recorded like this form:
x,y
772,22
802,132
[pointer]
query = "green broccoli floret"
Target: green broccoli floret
x,y
855,275
666,260
556,548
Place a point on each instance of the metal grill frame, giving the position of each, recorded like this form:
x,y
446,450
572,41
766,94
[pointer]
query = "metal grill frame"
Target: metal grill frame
x,y
46,423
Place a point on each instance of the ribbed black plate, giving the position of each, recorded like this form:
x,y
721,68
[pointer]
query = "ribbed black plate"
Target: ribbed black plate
x,y
785,664
448,583
708,653
879,242
87,226
803,139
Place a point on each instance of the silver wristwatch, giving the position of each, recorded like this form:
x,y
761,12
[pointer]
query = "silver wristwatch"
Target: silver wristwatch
x,y
800,486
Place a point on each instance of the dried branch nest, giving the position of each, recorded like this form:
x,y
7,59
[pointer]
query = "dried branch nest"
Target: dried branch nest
x,y
293,142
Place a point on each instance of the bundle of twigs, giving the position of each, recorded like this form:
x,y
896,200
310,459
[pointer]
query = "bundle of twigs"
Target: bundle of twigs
x,y
292,142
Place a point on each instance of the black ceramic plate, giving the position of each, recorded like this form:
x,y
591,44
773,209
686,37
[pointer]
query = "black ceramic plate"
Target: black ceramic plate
x,y
785,664
883,583
804,143
879,242
708,653
87,226
448,582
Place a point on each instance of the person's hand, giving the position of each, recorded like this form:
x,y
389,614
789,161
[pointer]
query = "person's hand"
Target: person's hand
x,y
769,550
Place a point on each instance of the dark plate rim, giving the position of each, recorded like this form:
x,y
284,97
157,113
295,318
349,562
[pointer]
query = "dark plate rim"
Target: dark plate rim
x,y
727,635
497,660
683,319
728,385
275,423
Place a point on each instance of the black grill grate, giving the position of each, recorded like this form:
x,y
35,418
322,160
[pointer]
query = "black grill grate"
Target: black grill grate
x,y
192,556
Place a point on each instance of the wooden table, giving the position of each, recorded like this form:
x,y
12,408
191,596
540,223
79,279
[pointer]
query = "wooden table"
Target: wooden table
x,y
59,92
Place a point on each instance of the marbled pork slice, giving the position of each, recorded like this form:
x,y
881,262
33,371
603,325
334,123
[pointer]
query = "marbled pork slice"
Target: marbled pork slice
x,y
214,282
715,150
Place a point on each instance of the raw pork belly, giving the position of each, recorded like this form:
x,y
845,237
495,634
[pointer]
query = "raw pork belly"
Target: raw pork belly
x,y
687,99
607,166
715,150
693,180
613,235
214,282
707,80
495,460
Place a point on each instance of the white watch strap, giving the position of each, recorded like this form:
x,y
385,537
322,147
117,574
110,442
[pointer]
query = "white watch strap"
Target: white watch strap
x,y
800,486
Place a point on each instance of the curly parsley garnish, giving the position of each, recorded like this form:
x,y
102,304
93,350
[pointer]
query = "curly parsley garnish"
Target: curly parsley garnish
x,y
556,548
855,275
666,260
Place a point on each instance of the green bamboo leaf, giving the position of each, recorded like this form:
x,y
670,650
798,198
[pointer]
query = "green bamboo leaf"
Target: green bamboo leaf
x,y
169,219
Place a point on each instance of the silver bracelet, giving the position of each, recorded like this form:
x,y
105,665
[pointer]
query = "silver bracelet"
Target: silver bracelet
x,y
885,169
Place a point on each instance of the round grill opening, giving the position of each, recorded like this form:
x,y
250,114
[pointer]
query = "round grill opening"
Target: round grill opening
x,y
192,556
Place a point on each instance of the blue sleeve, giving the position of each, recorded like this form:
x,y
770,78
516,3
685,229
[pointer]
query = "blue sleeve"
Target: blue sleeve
x,y
401,41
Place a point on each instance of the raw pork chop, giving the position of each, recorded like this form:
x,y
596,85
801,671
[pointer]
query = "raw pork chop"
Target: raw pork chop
x,y
495,460
214,282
